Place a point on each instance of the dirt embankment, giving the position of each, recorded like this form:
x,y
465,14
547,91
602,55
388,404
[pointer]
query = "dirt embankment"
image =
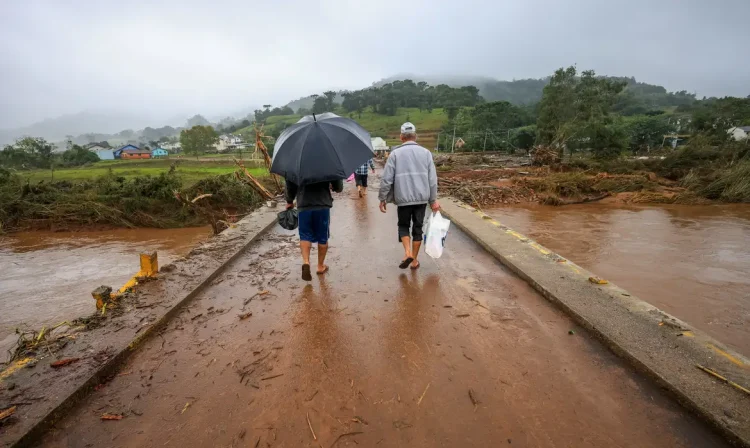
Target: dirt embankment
x,y
495,179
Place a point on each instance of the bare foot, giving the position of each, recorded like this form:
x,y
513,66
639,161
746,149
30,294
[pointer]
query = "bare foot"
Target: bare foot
x,y
406,262
306,276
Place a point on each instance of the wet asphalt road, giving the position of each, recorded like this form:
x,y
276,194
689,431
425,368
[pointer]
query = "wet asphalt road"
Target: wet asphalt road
x,y
460,353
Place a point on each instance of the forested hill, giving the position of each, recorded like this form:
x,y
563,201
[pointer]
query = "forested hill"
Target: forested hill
x,y
640,96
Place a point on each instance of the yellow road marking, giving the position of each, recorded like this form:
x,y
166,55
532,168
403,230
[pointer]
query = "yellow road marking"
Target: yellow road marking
x,y
731,358
13,367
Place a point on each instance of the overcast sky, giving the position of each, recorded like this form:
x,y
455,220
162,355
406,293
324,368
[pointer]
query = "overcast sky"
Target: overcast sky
x,y
163,58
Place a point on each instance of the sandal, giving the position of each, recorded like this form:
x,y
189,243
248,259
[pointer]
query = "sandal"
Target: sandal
x,y
306,275
324,271
405,263
414,268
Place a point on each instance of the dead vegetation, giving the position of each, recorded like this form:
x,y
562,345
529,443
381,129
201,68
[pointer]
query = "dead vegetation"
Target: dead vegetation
x,y
559,186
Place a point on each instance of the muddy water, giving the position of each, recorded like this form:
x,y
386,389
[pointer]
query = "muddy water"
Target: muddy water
x,y
48,277
691,261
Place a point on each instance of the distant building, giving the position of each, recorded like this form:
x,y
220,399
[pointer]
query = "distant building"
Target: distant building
x,y
103,152
159,152
132,152
172,147
228,142
739,133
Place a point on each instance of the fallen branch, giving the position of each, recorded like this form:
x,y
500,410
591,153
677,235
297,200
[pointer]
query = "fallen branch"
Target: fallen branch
x,y
252,181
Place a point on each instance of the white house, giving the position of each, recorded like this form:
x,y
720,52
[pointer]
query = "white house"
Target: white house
x,y
739,133
172,147
378,144
228,142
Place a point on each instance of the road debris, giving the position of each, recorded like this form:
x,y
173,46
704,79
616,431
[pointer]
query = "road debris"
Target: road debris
x,y
716,374
272,377
346,434
111,417
571,332
598,281
423,393
473,398
187,405
7,413
463,315
358,419
312,396
64,362
401,424
244,316
311,428
196,316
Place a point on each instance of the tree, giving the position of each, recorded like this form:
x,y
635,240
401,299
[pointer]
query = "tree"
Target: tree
x,y
197,120
78,156
320,105
38,148
498,115
330,96
198,139
556,107
524,137
644,131
574,113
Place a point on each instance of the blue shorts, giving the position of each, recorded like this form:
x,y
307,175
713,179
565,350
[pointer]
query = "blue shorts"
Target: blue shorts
x,y
314,224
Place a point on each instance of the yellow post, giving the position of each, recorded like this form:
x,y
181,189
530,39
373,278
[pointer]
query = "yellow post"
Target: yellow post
x,y
149,268
149,265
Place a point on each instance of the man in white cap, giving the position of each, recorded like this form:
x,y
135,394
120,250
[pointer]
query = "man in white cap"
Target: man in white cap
x,y
410,181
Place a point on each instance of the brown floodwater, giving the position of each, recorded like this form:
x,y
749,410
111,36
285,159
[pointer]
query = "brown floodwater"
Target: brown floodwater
x,y
691,261
47,277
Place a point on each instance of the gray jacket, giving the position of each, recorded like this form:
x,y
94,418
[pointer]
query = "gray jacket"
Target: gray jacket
x,y
409,177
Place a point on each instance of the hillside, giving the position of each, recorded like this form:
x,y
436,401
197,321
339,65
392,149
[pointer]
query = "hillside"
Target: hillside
x,y
307,102
386,126
638,97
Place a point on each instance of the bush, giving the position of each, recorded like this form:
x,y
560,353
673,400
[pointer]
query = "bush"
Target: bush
x,y
732,185
78,156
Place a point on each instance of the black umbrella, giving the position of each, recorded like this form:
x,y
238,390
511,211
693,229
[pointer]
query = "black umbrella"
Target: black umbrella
x,y
321,148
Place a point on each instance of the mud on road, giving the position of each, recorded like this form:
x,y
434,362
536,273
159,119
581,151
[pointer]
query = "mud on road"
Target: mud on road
x,y
458,353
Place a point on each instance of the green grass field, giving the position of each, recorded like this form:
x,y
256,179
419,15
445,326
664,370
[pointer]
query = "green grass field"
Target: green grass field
x,y
190,171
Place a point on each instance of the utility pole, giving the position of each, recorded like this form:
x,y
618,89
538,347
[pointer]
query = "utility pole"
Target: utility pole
x,y
484,146
453,143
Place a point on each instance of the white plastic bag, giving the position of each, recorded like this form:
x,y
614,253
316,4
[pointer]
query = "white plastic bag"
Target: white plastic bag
x,y
436,233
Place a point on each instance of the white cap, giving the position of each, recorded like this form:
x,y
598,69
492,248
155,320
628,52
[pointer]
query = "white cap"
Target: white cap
x,y
408,128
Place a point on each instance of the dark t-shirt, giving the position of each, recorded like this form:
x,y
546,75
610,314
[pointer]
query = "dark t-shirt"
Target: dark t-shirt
x,y
313,196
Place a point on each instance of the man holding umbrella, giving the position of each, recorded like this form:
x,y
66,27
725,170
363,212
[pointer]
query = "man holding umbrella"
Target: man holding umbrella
x,y
410,181
314,155
314,202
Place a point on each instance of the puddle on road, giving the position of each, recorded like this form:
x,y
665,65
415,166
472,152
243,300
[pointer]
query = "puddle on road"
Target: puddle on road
x,y
691,261
48,277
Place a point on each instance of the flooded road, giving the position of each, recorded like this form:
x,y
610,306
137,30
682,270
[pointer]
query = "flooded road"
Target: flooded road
x,y
691,261
459,353
47,277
